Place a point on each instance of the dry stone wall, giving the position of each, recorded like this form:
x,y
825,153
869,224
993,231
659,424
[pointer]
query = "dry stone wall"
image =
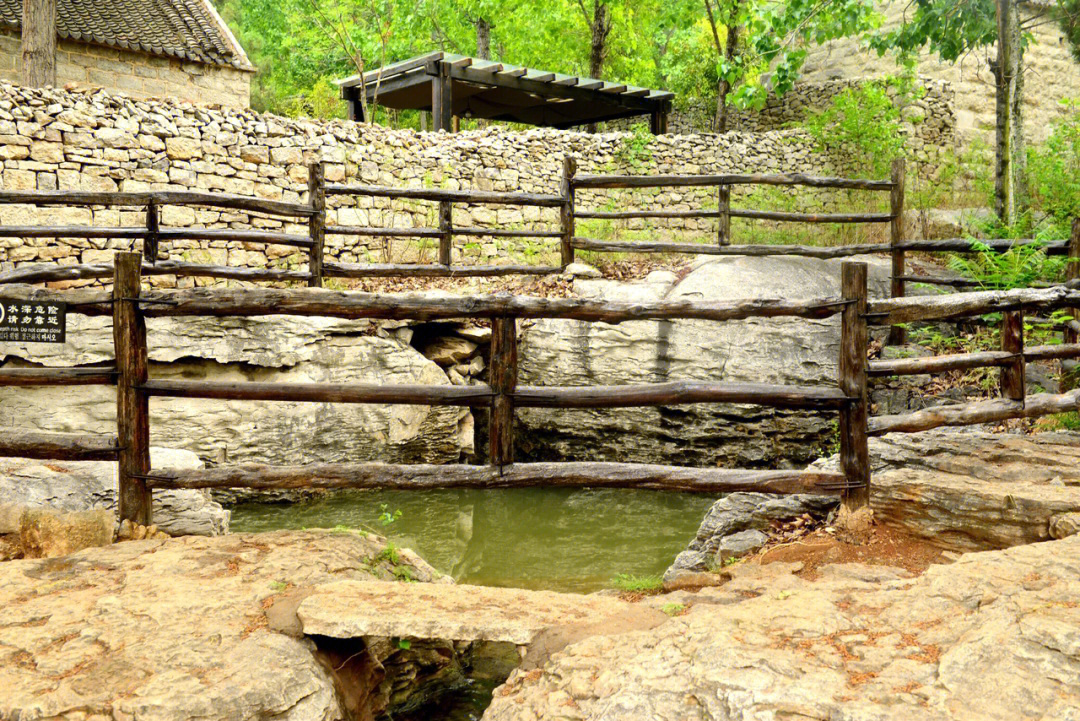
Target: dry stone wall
x,y
56,139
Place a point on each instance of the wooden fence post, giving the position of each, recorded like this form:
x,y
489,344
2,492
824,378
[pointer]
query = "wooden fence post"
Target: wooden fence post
x,y
897,336
502,376
1012,341
446,237
1069,335
723,231
317,222
854,337
153,228
132,406
567,212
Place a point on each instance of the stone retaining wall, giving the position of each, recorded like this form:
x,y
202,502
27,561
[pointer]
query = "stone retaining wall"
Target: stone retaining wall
x,y
55,139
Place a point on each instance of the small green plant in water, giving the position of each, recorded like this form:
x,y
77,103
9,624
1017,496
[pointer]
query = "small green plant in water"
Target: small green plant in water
x,y
637,584
386,517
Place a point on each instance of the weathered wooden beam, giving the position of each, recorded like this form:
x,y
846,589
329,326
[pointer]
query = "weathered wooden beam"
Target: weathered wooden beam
x,y
654,181
940,364
383,232
362,270
518,475
952,282
1012,342
415,306
897,334
626,214
1052,352
163,197
507,233
723,213
503,376
678,393
964,245
57,446
446,232
1072,276
854,337
153,230
132,406
457,196
812,217
51,273
566,209
316,222
810,251
57,376
81,301
243,236
428,395
967,414
541,85
959,305
69,231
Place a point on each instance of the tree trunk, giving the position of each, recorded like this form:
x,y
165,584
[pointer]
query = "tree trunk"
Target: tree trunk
x,y
725,86
1008,79
39,42
599,27
483,38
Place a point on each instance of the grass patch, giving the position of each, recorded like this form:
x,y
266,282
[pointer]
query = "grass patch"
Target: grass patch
x,y
637,584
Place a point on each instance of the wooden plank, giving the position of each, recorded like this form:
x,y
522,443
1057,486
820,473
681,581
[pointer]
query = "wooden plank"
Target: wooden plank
x,y
383,232
897,335
446,232
457,196
679,393
69,231
441,98
503,376
163,197
51,273
153,228
507,233
952,282
541,85
810,251
625,214
812,217
317,222
419,306
132,407
242,236
57,376
1072,273
361,270
427,395
566,210
1039,404
1012,342
518,475
1061,351
81,301
939,364
854,337
959,305
43,445
655,181
964,245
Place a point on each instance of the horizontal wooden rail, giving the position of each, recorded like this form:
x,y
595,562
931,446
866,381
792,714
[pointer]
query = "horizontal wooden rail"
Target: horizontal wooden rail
x,y
1052,352
363,270
162,197
52,273
939,364
952,282
967,414
69,231
811,251
964,245
460,196
57,376
428,395
44,445
80,301
680,392
654,181
518,475
228,234
383,232
626,214
784,216
505,232
958,305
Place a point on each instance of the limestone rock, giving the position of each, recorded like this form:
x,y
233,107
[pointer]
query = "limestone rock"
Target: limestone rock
x,y
449,350
582,270
1064,525
283,350
971,490
774,350
990,637
84,485
172,629
736,514
45,533
740,544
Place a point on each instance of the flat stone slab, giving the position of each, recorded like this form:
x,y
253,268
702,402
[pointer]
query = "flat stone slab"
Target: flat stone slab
x,y
349,609
994,636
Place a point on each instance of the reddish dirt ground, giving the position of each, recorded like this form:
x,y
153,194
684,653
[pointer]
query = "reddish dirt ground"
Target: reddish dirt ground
x,y
880,547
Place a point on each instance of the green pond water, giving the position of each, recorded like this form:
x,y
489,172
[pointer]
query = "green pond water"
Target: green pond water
x,y
556,539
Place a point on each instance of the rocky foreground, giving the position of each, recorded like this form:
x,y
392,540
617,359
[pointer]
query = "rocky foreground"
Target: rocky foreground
x,y
995,635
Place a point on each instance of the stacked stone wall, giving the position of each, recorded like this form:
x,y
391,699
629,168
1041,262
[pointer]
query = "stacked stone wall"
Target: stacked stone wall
x,y
55,139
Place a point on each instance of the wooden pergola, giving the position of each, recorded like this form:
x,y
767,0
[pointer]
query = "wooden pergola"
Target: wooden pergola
x,y
451,85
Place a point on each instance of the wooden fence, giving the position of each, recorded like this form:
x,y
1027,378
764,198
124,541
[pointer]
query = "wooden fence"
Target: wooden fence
x,y
130,306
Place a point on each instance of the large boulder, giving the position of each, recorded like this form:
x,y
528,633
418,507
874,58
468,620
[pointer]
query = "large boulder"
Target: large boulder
x,y
992,637
84,485
762,350
277,349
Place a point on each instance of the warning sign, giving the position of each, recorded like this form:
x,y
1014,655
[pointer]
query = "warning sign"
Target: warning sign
x,y
32,321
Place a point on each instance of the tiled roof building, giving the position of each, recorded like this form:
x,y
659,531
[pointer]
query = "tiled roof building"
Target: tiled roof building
x,y
144,48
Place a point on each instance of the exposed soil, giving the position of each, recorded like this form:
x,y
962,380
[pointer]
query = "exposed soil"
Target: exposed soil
x,y
879,547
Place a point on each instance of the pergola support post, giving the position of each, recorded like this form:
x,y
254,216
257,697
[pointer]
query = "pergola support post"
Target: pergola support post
x,y
441,99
